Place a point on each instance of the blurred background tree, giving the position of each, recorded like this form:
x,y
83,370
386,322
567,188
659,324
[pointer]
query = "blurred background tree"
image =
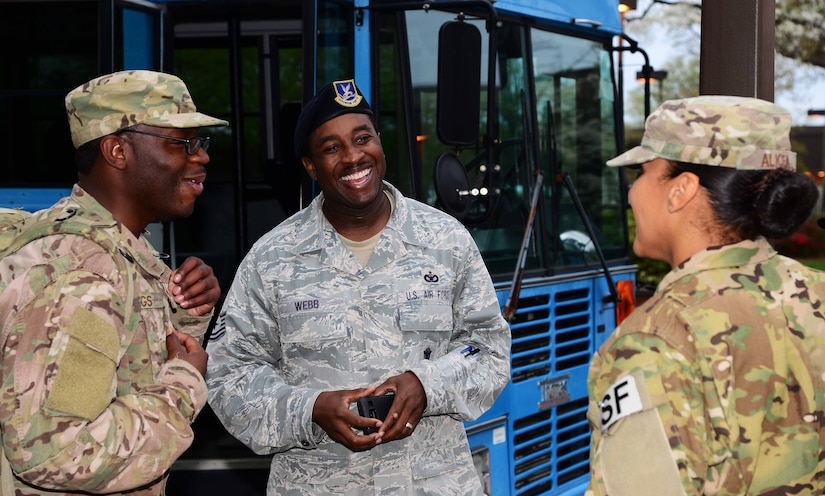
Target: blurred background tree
x,y
799,62
799,75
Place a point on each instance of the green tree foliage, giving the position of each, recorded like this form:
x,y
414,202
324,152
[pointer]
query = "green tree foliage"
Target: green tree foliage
x,y
800,30
800,24
800,47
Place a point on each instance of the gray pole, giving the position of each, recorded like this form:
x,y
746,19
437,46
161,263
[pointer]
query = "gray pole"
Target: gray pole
x,y
737,48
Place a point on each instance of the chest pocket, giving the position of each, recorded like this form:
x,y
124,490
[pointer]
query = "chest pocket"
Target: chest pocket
x,y
154,313
312,320
314,339
425,309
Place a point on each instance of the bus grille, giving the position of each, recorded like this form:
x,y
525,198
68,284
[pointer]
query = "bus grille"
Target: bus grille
x,y
551,448
551,334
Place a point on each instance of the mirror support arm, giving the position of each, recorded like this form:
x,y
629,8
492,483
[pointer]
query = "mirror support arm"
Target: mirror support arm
x,y
614,293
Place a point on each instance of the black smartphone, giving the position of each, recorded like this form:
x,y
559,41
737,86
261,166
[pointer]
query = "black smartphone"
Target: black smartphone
x,y
375,407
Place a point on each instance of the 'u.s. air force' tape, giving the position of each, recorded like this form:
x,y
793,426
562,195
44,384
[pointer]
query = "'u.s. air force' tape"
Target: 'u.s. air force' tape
x,y
621,399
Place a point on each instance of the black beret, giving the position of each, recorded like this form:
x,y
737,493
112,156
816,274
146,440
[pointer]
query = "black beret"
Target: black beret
x,y
336,98
821,222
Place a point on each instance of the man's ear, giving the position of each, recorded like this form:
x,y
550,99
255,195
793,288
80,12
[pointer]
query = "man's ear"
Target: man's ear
x,y
310,167
683,189
113,151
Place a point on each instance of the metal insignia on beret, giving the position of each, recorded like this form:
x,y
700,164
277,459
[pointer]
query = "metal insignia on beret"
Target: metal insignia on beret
x,y
345,93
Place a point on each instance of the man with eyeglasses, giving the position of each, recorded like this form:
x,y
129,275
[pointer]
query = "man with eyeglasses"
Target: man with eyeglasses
x,y
192,144
102,365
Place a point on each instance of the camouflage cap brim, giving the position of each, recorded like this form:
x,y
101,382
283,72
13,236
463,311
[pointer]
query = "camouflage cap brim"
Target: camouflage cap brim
x,y
634,156
183,121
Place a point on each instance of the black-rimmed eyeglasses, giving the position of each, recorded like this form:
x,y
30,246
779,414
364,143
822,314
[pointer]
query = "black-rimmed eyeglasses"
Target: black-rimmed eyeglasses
x,y
192,144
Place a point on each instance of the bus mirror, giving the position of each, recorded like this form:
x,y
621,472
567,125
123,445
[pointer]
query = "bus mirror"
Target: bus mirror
x,y
459,83
452,187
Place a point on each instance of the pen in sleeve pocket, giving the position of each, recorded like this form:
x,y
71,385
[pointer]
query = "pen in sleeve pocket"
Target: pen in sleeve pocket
x,y
469,351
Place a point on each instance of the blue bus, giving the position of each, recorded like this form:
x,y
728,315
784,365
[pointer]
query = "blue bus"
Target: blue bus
x,y
502,113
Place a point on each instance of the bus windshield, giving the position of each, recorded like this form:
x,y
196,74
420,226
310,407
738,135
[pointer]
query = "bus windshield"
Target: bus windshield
x,y
555,114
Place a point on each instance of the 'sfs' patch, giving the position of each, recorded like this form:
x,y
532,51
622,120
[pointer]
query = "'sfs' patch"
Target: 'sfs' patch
x,y
621,399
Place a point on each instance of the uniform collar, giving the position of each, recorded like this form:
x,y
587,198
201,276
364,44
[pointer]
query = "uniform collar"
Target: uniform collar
x,y
721,257
134,249
314,233
313,220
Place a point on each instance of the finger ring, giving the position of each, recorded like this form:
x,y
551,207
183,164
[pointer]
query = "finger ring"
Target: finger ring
x,y
408,425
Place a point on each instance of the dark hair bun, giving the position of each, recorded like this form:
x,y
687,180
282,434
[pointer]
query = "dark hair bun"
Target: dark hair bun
x,y
784,204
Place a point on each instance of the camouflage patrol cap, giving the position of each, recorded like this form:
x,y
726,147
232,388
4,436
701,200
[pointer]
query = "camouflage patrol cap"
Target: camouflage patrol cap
x,y
124,99
725,131
335,99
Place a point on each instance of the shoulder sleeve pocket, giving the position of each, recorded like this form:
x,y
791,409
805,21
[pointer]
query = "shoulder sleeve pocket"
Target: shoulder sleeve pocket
x,y
84,383
634,455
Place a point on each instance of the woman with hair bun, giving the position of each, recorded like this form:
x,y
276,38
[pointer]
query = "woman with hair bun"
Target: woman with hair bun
x,y
716,385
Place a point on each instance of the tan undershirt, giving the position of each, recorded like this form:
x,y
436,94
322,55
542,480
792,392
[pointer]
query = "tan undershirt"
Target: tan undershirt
x,y
363,249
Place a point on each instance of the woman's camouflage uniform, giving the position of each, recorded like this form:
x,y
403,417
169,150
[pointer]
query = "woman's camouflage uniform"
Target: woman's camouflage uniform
x,y
728,360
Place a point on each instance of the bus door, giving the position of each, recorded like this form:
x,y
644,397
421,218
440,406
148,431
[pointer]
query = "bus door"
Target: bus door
x,y
242,62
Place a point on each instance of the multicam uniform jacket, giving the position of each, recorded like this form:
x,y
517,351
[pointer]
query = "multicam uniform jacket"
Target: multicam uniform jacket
x,y
715,385
89,401
303,316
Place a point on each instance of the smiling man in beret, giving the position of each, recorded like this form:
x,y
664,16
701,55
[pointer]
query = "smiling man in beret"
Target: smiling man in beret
x,y
364,292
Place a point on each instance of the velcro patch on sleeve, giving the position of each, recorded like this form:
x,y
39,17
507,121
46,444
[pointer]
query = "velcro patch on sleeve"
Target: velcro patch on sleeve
x,y
86,371
638,461
633,454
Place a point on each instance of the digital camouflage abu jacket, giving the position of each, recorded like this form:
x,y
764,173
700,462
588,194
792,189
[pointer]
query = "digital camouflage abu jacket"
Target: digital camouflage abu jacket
x,y
303,316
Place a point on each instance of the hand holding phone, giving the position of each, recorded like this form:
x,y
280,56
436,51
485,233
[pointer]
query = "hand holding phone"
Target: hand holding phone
x,y
376,407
